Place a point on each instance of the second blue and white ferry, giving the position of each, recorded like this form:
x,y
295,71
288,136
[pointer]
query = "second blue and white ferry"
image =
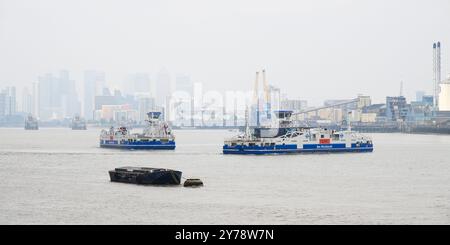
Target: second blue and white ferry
x,y
157,135
289,139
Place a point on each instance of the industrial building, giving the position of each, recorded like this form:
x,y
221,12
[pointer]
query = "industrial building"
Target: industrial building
x,y
444,95
396,108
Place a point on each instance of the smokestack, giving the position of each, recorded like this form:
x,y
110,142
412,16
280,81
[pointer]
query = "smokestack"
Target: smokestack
x,y
438,60
438,73
434,77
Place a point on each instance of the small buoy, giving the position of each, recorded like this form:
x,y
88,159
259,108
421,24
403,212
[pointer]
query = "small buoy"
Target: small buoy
x,y
192,183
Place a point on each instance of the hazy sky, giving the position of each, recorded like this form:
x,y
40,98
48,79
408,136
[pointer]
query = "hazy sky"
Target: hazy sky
x,y
311,49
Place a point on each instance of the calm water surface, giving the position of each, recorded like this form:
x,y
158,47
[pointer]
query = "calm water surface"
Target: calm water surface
x,y
60,176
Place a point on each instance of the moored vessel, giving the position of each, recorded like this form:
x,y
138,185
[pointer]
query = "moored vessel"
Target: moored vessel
x,y
157,135
146,176
31,123
78,123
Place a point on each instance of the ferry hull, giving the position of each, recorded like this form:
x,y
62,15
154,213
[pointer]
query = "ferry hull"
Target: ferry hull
x,y
137,146
292,149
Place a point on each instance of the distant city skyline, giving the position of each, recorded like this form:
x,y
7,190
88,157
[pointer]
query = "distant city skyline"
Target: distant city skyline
x,y
178,81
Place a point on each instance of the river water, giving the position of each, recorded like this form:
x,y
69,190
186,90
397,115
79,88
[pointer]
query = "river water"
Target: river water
x,y
60,176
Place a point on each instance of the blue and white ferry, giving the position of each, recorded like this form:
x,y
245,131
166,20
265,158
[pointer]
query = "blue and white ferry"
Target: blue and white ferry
x,y
289,139
157,135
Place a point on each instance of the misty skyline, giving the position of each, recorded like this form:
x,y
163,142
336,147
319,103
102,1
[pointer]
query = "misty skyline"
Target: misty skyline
x,y
313,51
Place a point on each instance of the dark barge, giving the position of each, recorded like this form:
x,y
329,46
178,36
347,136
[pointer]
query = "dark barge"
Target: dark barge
x,y
145,176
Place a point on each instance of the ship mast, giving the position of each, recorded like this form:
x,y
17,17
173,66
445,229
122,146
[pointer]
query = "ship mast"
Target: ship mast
x,y
266,94
349,126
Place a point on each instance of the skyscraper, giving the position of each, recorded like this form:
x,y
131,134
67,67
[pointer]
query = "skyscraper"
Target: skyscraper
x,y
94,81
163,88
27,101
419,95
137,83
49,101
10,103
57,96
34,94
2,104
146,104
183,83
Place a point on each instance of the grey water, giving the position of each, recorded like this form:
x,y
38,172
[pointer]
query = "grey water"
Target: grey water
x,y
60,176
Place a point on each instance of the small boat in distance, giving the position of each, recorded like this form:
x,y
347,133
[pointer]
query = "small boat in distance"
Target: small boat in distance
x,y
78,123
145,176
287,138
157,135
31,123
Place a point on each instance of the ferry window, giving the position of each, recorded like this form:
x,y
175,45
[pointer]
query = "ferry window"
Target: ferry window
x,y
233,144
251,144
272,144
322,136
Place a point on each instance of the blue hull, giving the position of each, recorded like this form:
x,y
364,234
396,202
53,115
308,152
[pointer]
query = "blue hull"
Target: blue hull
x,y
292,149
138,145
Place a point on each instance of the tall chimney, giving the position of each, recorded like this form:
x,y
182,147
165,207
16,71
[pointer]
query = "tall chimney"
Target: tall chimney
x,y
438,52
438,75
434,77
